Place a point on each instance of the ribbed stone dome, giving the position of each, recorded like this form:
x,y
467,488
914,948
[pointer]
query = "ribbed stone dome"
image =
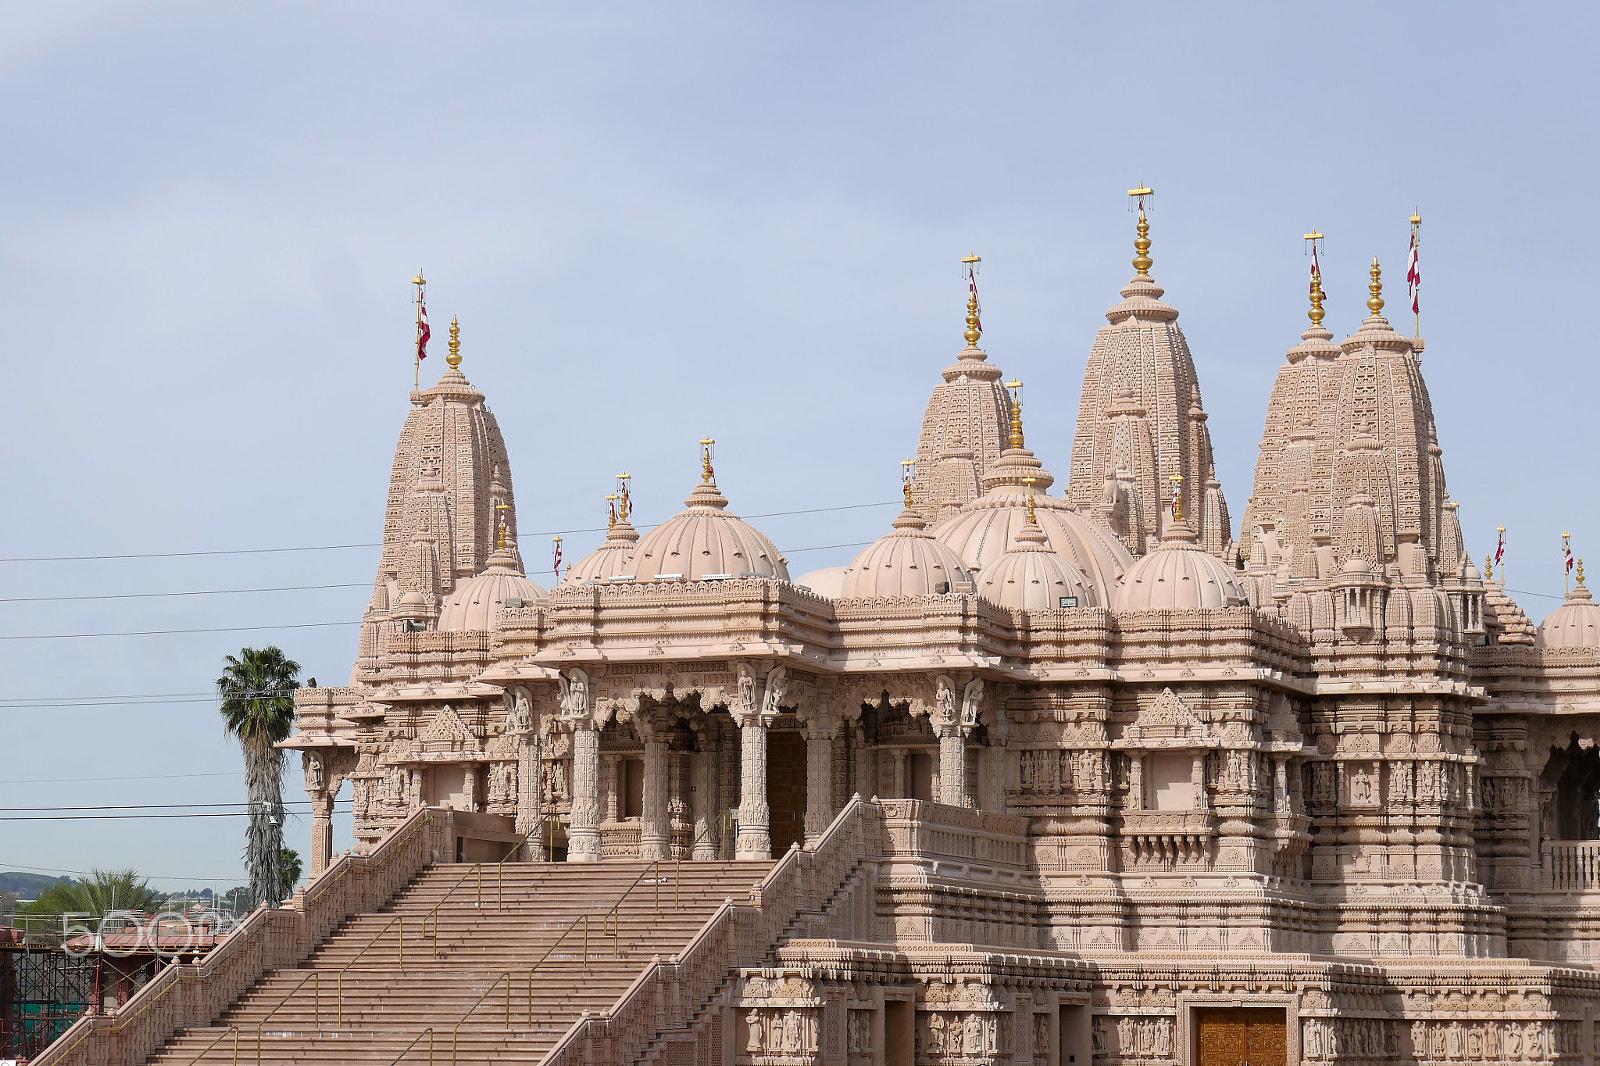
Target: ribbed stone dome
x,y
476,601
1031,577
609,559
702,541
1575,624
907,562
987,527
1179,576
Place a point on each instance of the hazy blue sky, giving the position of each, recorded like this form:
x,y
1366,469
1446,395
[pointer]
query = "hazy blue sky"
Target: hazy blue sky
x,y
660,221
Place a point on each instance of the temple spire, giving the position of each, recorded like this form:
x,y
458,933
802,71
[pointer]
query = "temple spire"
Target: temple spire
x,y
1316,314
974,314
1141,245
1016,412
454,358
1375,286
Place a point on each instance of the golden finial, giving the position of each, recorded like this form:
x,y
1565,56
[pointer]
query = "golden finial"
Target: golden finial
x,y
1016,412
1316,314
1580,570
502,508
707,473
906,471
625,507
1488,566
1177,497
974,319
1375,301
1028,481
611,501
454,358
1141,244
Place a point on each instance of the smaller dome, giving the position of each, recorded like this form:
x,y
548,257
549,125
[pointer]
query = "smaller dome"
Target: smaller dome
x,y
825,582
608,560
1575,624
705,541
907,562
1031,577
1179,576
478,600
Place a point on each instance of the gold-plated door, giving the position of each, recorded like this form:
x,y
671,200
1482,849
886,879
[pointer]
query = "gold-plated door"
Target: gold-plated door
x,y
1242,1036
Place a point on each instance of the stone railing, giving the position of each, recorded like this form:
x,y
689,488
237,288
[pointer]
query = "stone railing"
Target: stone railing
x,y
1571,865
186,996
919,831
669,993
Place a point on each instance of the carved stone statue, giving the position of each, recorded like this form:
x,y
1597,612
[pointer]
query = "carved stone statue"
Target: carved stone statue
x,y
971,701
755,1041
519,718
777,690
944,701
315,778
574,694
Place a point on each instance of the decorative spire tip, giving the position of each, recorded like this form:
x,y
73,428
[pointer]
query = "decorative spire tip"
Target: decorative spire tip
x,y
1375,301
1016,412
1141,245
708,473
454,358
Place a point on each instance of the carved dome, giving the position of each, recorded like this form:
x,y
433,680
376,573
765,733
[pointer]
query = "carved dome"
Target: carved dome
x,y
477,600
1031,577
705,541
608,560
907,562
825,582
1575,624
1179,576
987,527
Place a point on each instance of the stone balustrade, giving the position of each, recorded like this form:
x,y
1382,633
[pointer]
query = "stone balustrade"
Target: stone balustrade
x,y
1571,865
669,993
186,996
923,832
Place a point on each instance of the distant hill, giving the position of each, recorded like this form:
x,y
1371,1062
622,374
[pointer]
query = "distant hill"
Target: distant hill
x,y
28,886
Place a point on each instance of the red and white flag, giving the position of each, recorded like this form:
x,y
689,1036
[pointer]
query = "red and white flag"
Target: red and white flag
x,y
1177,500
1414,275
1316,270
1568,549
557,544
1500,549
423,332
977,308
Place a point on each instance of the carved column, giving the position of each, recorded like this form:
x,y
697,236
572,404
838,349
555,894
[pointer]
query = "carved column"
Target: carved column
x,y
702,779
530,784
953,766
583,835
755,837
820,732
321,833
653,825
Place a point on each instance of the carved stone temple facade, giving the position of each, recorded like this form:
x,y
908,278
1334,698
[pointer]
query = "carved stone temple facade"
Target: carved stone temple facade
x,y
1132,787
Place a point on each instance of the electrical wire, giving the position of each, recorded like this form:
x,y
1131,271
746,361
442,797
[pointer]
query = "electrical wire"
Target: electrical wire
x,y
206,592
139,807
379,544
91,873
168,632
81,780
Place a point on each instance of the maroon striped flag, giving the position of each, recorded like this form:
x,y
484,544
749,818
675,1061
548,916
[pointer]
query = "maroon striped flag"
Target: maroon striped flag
x,y
423,332
1414,274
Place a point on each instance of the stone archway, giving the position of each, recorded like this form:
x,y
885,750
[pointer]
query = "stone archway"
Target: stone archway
x,y
1572,779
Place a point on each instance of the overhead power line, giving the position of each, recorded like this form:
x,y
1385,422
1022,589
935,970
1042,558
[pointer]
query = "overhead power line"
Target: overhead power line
x,y
91,873
204,592
166,632
379,544
81,780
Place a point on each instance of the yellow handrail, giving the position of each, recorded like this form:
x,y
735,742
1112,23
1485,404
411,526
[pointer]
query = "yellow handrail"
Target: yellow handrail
x,y
455,1034
477,867
234,1029
315,976
428,1032
339,986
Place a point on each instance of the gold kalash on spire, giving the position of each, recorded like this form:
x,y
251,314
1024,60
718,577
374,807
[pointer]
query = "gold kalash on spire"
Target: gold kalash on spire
x,y
1375,287
1316,314
1141,244
907,471
1016,412
708,473
974,312
454,358
500,539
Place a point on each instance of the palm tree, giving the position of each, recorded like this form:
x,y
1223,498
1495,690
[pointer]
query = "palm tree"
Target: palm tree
x,y
105,890
257,691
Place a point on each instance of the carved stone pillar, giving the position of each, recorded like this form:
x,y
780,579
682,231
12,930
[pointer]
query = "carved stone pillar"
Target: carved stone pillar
x,y
530,797
583,835
902,784
953,766
755,836
610,787
653,827
321,833
820,732
702,779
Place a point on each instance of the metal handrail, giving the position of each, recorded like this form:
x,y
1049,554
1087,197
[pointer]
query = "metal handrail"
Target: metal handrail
x,y
234,1029
455,1033
477,867
316,1015
339,978
428,1032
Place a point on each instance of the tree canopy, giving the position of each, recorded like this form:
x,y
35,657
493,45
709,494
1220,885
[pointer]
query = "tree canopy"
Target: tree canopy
x,y
102,891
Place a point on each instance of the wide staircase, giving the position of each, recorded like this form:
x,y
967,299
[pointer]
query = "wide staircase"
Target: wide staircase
x,y
480,964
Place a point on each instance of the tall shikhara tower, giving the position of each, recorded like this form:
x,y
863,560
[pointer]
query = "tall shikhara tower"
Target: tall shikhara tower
x,y
449,487
1141,424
